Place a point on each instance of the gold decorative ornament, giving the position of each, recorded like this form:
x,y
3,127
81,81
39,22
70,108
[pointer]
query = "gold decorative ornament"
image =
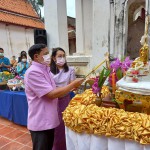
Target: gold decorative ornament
x,y
83,117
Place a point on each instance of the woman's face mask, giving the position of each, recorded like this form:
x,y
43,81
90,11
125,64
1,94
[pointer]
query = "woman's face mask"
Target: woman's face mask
x,y
47,59
24,60
60,61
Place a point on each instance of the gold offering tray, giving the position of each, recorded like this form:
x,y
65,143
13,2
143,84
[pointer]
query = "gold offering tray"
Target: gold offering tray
x,y
133,102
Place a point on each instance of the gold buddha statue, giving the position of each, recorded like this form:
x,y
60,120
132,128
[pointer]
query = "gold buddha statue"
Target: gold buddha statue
x,y
144,53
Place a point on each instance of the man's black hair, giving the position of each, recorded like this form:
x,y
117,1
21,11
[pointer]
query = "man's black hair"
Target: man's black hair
x,y
35,49
1,49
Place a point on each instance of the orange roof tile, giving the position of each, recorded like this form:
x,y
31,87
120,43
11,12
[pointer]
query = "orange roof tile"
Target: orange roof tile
x,y
21,20
18,6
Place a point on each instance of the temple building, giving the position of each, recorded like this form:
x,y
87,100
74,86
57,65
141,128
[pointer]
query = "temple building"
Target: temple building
x,y
18,19
113,26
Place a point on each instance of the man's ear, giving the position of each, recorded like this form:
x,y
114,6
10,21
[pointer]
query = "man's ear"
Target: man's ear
x,y
35,56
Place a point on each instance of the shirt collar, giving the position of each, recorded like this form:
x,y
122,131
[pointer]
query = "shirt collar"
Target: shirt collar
x,y
39,65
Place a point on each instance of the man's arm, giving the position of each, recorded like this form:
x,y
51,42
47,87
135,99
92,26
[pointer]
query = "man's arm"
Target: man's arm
x,y
7,66
39,85
59,92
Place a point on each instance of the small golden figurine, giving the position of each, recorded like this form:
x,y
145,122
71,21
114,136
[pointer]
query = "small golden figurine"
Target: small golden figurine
x,y
142,60
144,53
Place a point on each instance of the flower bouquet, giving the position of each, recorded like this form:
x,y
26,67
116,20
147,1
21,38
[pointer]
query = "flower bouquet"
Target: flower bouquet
x,y
97,87
118,70
16,83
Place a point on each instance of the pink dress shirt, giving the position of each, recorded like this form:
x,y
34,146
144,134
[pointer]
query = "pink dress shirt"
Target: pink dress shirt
x,y
42,111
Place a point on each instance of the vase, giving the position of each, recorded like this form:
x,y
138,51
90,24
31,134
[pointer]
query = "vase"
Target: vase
x,y
98,100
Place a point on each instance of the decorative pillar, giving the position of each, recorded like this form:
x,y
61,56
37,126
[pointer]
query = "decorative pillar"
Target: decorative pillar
x,y
147,12
79,27
111,28
121,20
84,9
55,15
100,31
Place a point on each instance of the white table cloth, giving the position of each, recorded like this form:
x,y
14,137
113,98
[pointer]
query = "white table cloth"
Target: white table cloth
x,y
141,87
76,141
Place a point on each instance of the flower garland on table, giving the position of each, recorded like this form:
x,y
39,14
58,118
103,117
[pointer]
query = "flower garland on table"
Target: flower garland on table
x,y
106,121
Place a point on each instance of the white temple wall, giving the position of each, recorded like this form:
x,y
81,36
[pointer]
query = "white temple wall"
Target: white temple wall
x,y
100,31
15,39
84,16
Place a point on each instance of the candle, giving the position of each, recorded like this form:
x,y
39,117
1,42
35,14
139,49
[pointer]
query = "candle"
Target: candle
x,y
113,82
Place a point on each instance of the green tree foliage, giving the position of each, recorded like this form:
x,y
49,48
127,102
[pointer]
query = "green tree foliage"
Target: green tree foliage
x,y
40,2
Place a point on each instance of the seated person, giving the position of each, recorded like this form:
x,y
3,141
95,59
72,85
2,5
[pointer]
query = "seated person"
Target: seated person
x,y
4,61
22,53
13,61
22,66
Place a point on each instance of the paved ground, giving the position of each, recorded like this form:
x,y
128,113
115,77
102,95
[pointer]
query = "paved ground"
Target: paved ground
x,y
13,136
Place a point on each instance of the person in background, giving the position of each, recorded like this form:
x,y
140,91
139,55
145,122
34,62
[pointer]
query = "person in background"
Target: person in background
x,y
22,66
13,63
4,61
42,97
62,75
22,53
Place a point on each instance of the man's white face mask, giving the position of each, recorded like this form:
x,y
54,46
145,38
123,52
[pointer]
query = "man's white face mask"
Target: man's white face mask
x,y
1,54
47,59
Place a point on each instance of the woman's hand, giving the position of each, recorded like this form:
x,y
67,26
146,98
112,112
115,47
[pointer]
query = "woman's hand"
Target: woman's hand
x,y
77,82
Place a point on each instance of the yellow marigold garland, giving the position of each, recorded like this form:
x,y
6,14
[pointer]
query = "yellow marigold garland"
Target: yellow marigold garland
x,y
82,115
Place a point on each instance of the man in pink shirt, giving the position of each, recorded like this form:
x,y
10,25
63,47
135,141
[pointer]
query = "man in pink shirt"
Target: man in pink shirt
x,y
42,99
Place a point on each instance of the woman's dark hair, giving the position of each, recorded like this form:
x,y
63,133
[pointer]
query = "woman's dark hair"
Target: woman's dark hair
x,y
35,49
20,57
23,55
53,66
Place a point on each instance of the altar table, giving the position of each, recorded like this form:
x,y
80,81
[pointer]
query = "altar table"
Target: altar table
x,y
13,106
83,141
